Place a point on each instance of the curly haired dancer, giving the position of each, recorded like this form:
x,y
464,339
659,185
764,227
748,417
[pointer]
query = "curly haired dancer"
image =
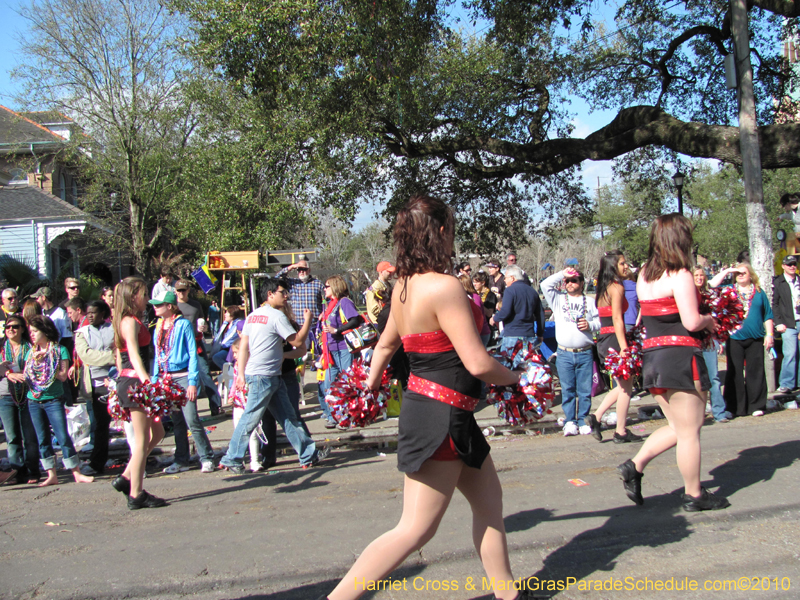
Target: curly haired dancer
x,y
440,447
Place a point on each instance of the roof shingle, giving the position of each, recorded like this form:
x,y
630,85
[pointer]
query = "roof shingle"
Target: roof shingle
x,y
26,202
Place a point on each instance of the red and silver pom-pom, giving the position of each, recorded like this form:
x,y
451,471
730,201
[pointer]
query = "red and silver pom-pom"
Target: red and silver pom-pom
x,y
351,402
628,365
115,410
725,306
158,398
532,397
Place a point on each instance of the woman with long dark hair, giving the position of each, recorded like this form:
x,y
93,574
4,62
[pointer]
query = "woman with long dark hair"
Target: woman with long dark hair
x,y
21,441
612,304
440,446
673,368
133,341
45,372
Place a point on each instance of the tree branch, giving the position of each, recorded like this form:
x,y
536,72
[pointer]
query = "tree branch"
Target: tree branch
x,y
633,128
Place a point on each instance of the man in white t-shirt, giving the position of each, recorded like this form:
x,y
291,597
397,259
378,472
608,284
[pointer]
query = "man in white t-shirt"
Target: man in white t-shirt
x,y
576,319
259,371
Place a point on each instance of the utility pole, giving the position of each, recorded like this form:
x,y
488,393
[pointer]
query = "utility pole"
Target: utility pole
x,y
602,237
758,229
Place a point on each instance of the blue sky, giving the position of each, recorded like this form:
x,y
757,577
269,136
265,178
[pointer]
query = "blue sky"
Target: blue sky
x,y
14,25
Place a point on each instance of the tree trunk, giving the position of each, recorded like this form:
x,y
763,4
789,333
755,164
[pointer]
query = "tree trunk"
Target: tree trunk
x,y
758,228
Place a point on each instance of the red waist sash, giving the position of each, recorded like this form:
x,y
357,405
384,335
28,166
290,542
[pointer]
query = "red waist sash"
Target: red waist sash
x,y
128,373
605,330
670,340
441,393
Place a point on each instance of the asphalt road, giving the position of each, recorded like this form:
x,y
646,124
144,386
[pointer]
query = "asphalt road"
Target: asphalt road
x,y
292,533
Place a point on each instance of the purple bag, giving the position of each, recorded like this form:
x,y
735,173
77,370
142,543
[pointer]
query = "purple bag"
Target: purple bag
x,y
598,381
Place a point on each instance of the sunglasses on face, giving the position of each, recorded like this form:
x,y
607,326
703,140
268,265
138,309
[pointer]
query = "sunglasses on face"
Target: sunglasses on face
x,y
181,290
73,287
572,280
327,286
302,270
14,327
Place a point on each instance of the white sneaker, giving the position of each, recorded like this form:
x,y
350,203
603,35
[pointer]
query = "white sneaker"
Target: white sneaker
x,y
176,468
207,466
585,430
708,407
560,421
791,405
570,428
256,466
758,413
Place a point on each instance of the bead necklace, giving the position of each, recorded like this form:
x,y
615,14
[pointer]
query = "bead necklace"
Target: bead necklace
x,y
569,312
746,300
164,341
18,357
41,369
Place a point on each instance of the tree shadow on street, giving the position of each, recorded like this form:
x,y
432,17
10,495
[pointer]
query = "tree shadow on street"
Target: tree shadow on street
x,y
285,481
752,466
597,549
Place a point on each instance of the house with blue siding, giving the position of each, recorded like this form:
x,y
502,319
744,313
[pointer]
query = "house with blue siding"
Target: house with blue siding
x,y
40,222
35,228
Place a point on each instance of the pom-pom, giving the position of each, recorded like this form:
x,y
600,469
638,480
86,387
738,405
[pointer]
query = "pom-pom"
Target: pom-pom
x,y
532,397
115,411
725,306
626,365
158,398
351,402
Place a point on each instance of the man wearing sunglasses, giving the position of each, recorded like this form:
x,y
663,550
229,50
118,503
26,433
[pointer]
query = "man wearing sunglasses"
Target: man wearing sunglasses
x,y
306,291
10,307
576,319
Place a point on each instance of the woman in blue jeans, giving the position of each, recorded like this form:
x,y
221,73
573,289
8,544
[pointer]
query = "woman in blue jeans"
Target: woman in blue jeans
x,y
23,450
45,369
340,315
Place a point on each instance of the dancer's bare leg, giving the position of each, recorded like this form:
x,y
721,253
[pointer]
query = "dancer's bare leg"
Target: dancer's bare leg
x,y
608,402
685,412
142,439
426,496
623,402
660,440
481,487
688,414
155,435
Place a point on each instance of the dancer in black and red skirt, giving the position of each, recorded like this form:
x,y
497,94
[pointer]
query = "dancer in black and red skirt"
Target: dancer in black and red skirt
x,y
440,447
133,339
672,361
612,304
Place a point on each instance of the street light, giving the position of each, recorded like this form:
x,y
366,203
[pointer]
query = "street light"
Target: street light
x,y
678,180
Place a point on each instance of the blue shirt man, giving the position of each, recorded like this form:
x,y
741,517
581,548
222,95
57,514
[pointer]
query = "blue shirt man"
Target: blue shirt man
x,y
521,315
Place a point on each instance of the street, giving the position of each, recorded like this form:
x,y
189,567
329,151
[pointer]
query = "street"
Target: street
x,y
292,533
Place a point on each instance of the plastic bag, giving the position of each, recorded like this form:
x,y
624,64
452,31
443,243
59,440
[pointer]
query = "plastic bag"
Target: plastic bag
x,y
78,425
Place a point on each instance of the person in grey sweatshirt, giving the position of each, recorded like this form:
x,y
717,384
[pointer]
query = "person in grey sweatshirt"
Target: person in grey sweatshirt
x,y
576,319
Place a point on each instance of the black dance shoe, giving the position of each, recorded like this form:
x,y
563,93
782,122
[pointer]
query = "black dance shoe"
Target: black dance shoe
x,y
706,501
145,500
122,485
592,422
632,481
627,438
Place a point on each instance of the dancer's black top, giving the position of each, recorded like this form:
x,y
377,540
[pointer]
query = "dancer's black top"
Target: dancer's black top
x,y
608,337
431,428
127,376
671,355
